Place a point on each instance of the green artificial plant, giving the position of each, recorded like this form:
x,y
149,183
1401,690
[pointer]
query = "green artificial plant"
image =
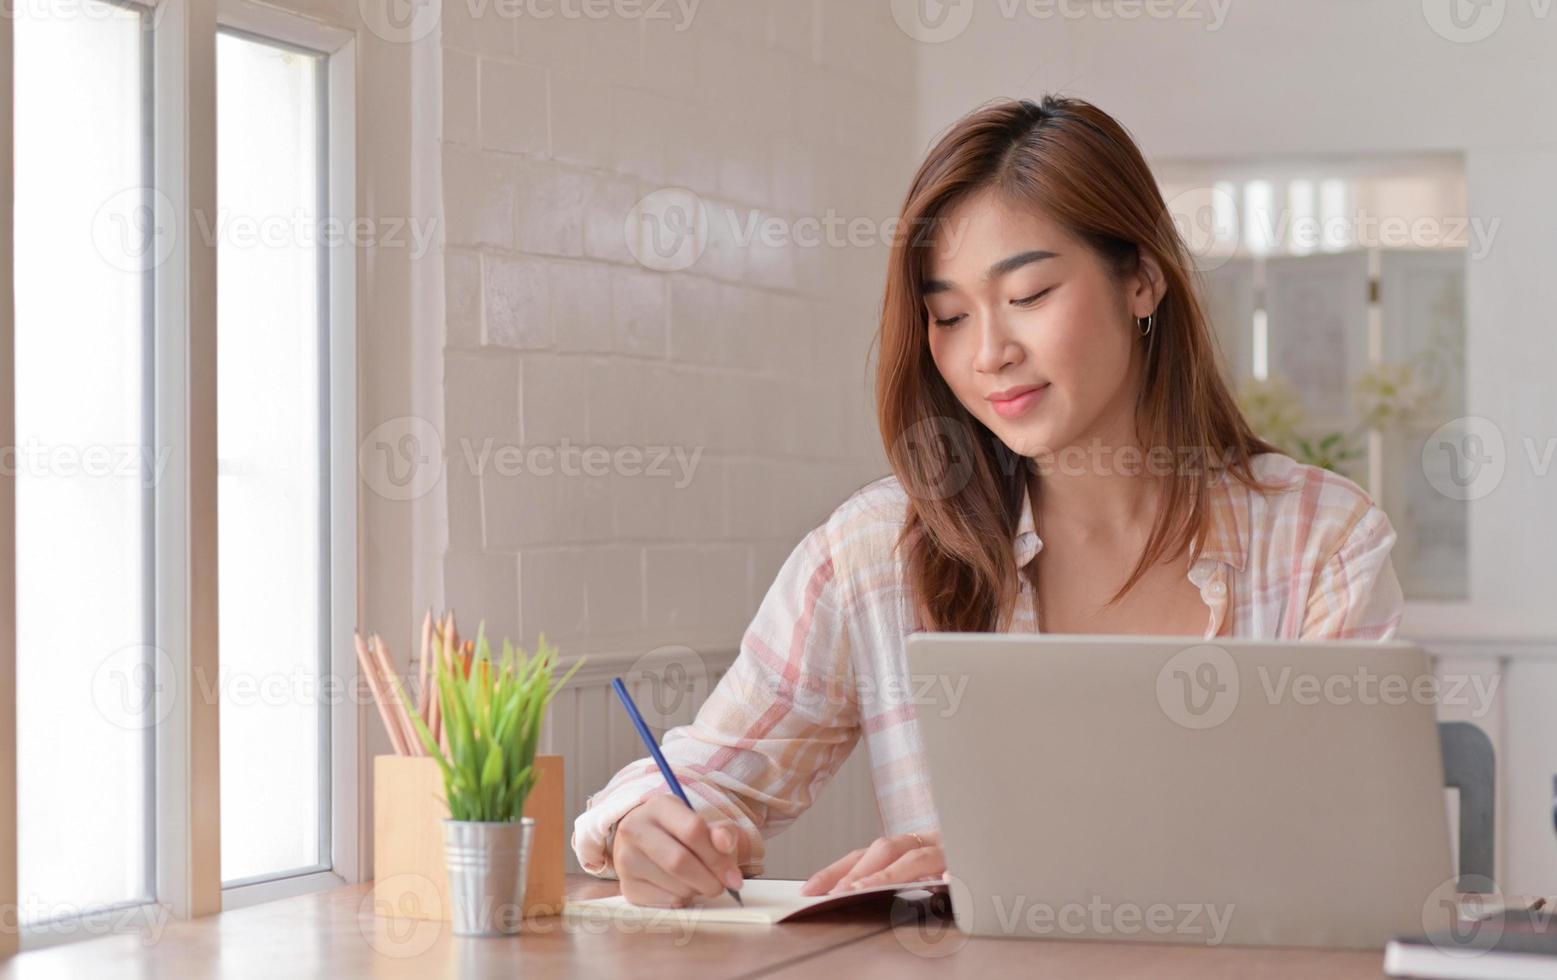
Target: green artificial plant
x,y
492,719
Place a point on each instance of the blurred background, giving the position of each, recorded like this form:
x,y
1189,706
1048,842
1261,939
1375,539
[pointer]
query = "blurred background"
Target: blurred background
x,y
589,349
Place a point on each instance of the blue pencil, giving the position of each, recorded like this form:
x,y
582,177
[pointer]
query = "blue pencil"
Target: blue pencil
x,y
659,758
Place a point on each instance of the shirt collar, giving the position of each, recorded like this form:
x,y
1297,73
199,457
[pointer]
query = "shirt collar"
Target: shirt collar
x,y
1226,533
1227,521
1025,544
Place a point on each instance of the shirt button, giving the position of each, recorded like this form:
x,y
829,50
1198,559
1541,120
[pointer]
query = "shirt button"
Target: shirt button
x,y
1217,588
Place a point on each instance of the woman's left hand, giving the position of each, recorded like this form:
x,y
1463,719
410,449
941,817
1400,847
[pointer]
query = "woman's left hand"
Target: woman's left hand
x,y
887,861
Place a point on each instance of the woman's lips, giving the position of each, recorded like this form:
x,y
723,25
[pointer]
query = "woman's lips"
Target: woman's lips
x,y
1010,408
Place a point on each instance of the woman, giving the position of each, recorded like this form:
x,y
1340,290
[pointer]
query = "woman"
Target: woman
x,y
1064,453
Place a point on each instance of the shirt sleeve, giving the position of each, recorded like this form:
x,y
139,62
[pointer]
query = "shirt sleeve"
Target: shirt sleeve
x,y
1356,595
772,733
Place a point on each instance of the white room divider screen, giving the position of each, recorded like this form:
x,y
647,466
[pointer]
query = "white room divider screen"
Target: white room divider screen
x,y
1392,323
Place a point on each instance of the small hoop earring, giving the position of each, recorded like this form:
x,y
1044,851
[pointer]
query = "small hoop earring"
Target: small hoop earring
x,y
1151,321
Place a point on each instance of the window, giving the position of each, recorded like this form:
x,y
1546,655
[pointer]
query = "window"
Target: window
x,y
184,337
273,447
85,248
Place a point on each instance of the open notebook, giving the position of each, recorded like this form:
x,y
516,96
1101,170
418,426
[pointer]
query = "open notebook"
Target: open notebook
x,y
768,901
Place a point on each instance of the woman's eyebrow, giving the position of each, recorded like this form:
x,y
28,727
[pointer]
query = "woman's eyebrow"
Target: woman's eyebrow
x,y
1000,268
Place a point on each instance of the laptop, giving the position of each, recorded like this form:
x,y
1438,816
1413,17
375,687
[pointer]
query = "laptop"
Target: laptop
x,y
1168,789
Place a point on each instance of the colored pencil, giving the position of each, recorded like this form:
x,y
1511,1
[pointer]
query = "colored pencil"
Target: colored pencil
x,y
398,708
423,669
435,710
369,667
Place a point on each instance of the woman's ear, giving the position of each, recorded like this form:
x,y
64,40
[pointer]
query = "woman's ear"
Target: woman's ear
x,y
1148,285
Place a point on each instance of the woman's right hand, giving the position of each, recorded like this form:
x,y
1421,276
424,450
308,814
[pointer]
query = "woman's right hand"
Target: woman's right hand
x,y
665,854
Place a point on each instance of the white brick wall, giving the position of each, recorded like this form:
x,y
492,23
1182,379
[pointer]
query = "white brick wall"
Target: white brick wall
x,y
753,361
754,358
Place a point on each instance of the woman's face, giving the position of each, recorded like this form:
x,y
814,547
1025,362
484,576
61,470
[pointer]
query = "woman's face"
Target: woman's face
x,y
1029,330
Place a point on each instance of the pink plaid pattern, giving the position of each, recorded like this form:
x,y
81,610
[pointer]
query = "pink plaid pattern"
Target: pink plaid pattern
x,y
823,663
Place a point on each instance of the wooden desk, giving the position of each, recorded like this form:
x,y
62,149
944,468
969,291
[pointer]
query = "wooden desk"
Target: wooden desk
x,y
336,934
907,952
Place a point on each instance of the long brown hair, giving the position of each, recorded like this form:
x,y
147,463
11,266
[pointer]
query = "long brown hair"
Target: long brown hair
x,y
1075,164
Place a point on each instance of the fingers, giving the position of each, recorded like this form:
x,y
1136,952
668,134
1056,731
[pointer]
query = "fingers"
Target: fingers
x,y
725,838
881,853
917,864
638,864
640,892
727,841
823,881
665,853
673,859
695,836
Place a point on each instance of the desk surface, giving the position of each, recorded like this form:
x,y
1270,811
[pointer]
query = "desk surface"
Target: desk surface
x,y
336,933
907,952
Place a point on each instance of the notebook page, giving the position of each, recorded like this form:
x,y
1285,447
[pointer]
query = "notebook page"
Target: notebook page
x,y
768,900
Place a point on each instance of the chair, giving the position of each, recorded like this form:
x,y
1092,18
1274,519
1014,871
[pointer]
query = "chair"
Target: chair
x,y
1468,766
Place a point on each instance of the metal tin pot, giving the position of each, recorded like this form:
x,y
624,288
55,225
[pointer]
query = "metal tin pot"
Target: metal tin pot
x,y
488,864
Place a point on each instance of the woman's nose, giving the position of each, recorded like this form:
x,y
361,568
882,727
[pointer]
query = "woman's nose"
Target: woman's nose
x,y
997,347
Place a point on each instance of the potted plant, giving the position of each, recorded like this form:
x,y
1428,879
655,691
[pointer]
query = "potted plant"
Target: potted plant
x,y
1387,397
492,717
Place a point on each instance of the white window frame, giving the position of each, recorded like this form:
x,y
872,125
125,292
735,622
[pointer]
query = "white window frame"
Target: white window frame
x,y
119,916
9,938
187,758
338,781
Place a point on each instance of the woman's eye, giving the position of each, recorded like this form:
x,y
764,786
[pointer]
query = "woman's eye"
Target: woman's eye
x,y
1025,301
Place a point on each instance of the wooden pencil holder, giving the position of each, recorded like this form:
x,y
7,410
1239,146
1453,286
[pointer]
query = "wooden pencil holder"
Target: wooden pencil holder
x,y
410,877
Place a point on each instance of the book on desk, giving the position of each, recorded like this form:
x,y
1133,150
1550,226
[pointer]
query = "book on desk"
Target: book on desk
x,y
1513,944
769,901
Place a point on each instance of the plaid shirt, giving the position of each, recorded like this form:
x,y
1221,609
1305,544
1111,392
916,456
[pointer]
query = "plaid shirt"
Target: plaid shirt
x,y
824,662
